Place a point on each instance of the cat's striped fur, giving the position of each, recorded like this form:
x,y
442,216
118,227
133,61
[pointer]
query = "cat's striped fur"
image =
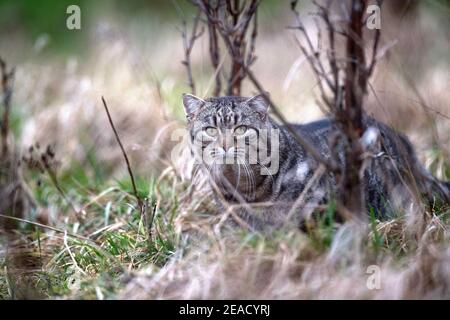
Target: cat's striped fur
x,y
393,177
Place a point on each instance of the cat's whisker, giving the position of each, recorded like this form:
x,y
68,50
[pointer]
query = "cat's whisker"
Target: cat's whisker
x,y
267,169
239,177
250,180
249,177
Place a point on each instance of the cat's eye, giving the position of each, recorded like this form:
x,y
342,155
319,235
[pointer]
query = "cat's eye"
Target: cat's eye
x,y
211,131
240,130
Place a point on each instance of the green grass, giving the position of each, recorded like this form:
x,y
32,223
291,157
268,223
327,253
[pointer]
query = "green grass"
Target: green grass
x,y
102,264
119,243
111,253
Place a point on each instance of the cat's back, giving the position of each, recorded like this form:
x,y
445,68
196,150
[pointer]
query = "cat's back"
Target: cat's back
x,y
316,132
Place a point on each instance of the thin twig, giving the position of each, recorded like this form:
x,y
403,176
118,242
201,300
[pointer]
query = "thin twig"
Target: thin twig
x,y
54,179
317,65
331,165
188,45
214,52
374,47
130,172
45,227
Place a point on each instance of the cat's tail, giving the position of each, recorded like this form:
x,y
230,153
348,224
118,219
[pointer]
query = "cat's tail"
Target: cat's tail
x,y
446,186
441,190
431,187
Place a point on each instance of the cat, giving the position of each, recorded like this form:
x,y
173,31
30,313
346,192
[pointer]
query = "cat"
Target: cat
x,y
257,166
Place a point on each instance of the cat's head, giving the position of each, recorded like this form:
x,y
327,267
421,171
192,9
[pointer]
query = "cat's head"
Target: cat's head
x,y
228,130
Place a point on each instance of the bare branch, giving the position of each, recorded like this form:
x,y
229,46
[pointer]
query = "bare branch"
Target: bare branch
x,y
231,19
7,79
374,48
188,44
214,48
348,92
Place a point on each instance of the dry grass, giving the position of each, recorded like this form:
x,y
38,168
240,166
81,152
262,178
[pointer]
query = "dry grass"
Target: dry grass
x,y
192,253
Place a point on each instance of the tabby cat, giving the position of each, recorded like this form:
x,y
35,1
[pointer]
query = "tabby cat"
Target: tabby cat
x,y
257,165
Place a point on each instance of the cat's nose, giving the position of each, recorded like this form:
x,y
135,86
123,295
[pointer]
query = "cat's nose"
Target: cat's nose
x,y
225,143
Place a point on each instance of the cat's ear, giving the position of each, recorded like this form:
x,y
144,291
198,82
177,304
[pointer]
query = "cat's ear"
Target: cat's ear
x,y
191,104
260,103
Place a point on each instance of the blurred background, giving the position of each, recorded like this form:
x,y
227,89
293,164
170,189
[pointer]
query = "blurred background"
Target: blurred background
x,y
131,53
